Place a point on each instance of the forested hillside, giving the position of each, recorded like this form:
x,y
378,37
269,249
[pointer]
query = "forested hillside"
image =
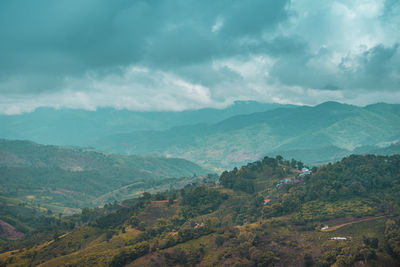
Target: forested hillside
x,y
59,177
342,214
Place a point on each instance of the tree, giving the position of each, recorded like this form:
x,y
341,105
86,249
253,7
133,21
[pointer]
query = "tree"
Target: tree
x,y
261,258
392,235
219,240
279,159
293,163
55,236
300,165
308,260
146,196
128,255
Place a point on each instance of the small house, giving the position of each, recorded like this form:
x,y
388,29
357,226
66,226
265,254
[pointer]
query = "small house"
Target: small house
x,y
267,201
198,225
304,172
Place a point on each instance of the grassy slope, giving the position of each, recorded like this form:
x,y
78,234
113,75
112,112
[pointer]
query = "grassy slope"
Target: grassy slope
x,y
289,243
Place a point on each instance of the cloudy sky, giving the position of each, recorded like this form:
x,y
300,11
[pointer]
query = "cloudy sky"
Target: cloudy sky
x,y
183,54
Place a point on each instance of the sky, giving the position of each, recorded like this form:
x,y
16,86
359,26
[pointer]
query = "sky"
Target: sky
x,y
190,54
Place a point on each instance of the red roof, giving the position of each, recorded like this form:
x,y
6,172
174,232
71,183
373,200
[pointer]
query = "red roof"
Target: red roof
x,y
267,200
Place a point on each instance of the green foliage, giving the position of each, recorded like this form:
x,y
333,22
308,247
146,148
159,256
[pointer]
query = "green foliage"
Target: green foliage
x,y
219,240
75,178
34,222
392,236
355,176
372,242
261,258
128,254
246,178
319,210
202,200
308,260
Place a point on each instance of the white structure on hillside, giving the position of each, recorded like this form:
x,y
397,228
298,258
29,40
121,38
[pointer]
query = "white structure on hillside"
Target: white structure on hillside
x,y
338,238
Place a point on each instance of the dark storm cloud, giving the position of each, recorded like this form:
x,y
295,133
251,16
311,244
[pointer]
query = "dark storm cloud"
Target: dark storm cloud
x,y
194,53
71,37
375,69
378,67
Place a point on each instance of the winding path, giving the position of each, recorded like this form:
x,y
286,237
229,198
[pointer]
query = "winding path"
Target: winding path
x,y
333,228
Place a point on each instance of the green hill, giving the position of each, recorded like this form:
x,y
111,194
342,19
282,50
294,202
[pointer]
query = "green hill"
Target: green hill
x,y
342,214
293,132
59,177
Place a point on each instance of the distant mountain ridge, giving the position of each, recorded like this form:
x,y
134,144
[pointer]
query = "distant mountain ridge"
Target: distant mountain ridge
x,y
219,139
243,138
81,127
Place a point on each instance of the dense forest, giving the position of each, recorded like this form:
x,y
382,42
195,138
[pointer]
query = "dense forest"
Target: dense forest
x,y
271,212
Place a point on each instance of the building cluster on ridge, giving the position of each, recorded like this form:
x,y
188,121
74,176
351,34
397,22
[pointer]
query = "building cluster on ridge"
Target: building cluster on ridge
x,y
304,172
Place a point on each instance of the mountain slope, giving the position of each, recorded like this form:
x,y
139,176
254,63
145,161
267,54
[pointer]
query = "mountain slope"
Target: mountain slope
x,y
244,138
73,178
343,214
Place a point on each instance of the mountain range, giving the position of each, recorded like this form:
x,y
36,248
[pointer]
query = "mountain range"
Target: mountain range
x,y
77,127
220,139
332,128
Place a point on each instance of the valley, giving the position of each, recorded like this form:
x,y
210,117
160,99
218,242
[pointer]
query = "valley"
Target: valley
x,y
214,224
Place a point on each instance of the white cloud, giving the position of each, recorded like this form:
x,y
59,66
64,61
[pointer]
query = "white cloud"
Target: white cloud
x,y
139,88
135,88
219,23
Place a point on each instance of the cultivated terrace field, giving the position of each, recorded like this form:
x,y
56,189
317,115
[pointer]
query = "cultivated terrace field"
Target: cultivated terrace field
x,y
267,213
